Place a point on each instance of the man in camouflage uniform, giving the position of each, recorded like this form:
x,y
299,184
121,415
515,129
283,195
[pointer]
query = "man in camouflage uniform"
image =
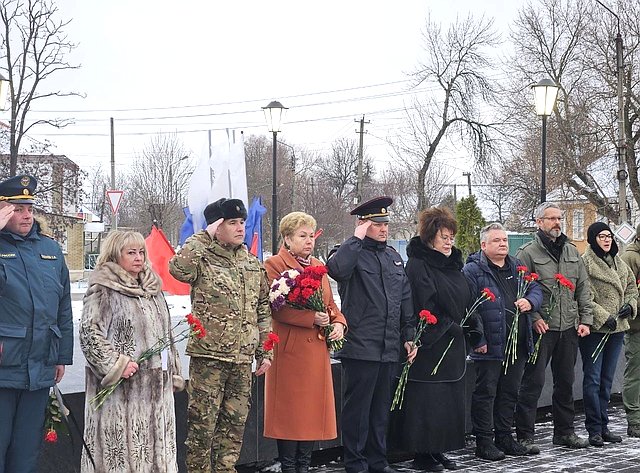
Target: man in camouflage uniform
x,y
230,295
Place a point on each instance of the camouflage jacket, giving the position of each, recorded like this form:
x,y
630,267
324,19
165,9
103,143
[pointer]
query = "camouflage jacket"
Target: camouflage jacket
x,y
229,294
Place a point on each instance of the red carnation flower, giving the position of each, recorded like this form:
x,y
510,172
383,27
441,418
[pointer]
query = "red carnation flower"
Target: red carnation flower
x,y
270,342
51,436
488,294
316,271
534,276
522,269
563,281
428,317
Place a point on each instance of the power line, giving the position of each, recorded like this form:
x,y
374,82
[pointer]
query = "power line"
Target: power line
x,y
225,103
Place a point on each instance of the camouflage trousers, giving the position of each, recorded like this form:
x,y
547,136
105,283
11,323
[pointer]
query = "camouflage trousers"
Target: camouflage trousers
x,y
219,394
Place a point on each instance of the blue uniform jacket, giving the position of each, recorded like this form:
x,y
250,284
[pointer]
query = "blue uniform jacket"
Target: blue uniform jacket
x,y
479,276
36,325
375,299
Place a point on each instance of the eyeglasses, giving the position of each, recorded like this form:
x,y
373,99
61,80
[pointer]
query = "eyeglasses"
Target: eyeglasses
x,y
553,219
605,236
446,238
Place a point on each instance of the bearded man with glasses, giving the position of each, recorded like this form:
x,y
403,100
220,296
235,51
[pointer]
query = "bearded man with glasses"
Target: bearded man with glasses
x,y
559,324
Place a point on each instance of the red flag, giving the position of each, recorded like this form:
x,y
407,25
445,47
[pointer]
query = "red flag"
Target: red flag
x,y
317,234
254,244
159,252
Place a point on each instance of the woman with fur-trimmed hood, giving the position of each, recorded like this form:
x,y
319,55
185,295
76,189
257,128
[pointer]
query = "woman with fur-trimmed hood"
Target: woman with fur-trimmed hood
x,y
124,314
613,295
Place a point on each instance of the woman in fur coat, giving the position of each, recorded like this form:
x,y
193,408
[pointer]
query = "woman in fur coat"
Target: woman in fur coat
x,y
613,294
124,314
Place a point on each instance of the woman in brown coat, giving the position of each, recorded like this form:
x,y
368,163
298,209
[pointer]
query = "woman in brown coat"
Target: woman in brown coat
x,y
299,403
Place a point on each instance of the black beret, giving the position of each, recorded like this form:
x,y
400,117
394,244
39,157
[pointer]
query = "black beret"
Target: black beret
x,y
18,189
225,208
376,210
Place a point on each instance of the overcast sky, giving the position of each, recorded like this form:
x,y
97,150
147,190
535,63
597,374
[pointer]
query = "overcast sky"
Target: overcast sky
x,y
189,66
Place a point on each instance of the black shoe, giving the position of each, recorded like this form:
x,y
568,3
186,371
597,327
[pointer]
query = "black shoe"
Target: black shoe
x,y
426,462
510,446
570,440
596,440
489,451
611,438
529,444
386,469
448,463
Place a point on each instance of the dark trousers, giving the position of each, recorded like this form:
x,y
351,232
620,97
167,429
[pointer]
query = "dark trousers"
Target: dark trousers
x,y
561,349
22,415
598,379
494,397
365,414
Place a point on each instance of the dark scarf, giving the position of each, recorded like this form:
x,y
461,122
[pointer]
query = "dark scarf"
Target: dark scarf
x,y
554,247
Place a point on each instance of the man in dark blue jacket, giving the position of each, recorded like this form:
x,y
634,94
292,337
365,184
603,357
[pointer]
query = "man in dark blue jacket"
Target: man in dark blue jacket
x,y
376,300
497,381
36,326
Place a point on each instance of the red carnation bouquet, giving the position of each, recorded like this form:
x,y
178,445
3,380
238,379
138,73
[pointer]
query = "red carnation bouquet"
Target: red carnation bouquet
x,y
485,295
303,290
525,278
561,282
424,318
194,329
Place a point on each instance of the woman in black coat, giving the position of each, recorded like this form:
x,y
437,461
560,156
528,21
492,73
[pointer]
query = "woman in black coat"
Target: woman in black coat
x,y
432,420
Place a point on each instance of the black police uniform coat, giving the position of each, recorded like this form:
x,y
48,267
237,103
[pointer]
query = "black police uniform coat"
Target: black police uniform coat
x,y
376,300
36,325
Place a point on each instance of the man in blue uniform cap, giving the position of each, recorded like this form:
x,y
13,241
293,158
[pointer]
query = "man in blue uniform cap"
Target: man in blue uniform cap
x,y
36,326
376,299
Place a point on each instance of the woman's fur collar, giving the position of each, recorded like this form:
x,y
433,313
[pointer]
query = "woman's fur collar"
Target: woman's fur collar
x,y
113,276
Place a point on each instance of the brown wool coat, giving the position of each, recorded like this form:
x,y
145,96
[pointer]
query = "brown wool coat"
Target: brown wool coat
x,y
299,402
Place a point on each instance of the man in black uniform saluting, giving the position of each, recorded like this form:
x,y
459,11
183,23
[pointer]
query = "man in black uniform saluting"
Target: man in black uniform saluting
x,y
376,300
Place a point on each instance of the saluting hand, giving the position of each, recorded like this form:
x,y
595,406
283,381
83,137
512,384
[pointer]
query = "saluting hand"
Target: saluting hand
x,y
212,227
6,213
361,230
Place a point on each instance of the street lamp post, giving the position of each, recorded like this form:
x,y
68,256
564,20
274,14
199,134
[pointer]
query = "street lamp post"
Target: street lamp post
x,y
273,114
545,92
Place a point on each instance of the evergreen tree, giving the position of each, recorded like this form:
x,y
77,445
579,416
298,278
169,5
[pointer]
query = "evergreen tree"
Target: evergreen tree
x,y
470,221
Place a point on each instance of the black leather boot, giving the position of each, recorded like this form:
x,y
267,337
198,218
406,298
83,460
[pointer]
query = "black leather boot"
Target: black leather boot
x,y
303,456
287,455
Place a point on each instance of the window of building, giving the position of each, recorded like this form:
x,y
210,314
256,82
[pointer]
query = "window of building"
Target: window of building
x,y
578,224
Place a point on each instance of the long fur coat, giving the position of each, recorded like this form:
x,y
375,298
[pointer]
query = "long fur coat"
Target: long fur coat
x,y
134,430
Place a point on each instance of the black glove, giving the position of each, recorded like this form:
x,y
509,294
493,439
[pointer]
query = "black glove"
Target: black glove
x,y
625,311
611,323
